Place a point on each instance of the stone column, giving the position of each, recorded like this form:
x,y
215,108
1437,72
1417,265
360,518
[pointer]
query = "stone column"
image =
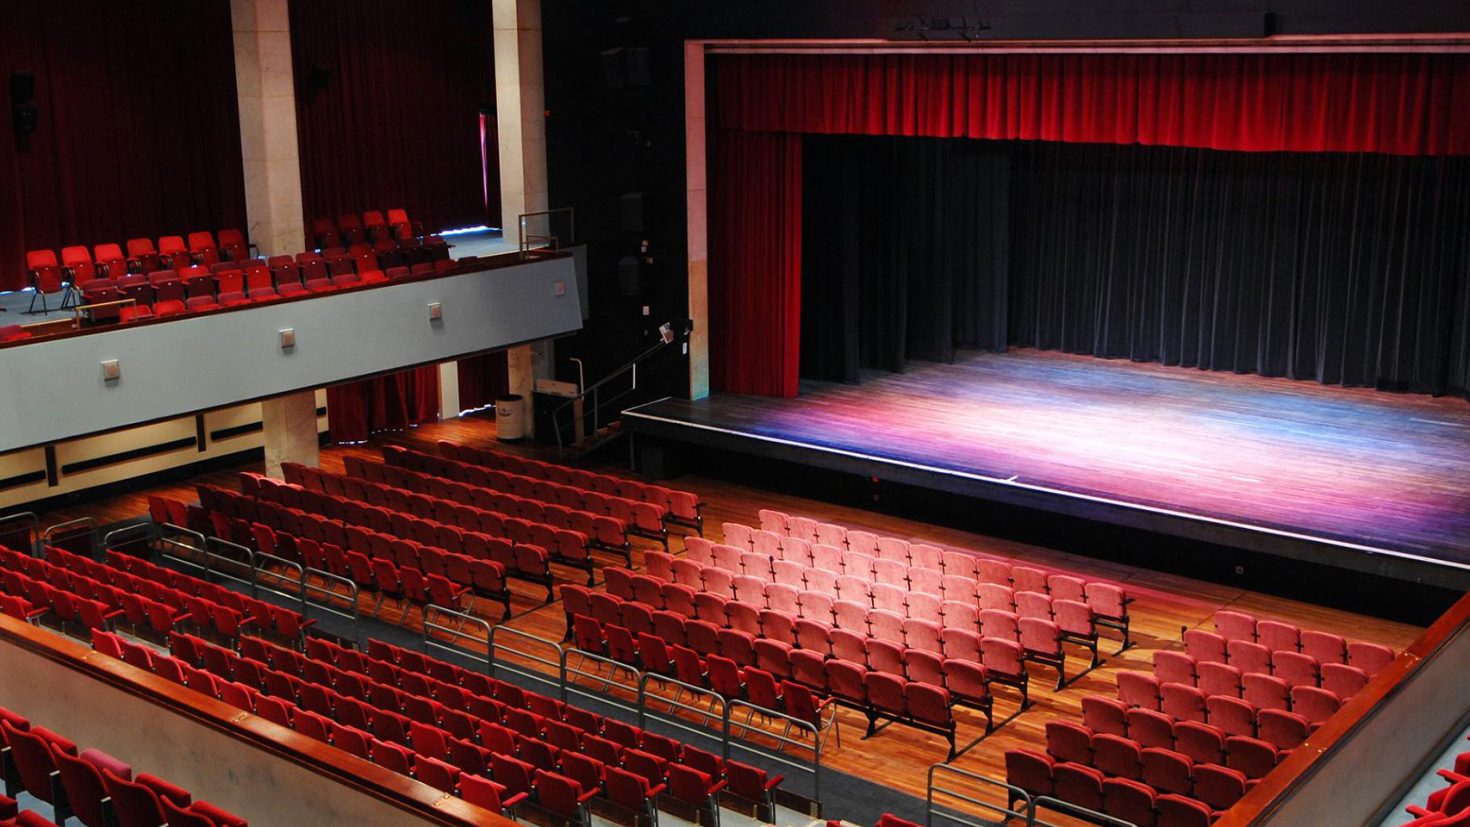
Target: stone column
x,y
449,406
268,145
520,118
289,423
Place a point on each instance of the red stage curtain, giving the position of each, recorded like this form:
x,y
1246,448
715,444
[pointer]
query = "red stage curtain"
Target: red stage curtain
x,y
755,262
482,379
383,403
1401,104
138,130
397,123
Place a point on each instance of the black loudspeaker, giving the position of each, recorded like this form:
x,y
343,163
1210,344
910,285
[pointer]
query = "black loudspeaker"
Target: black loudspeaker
x,y
614,73
25,118
318,76
22,87
632,212
636,65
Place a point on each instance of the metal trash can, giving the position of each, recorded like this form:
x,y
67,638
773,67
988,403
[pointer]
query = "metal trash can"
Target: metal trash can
x,y
510,417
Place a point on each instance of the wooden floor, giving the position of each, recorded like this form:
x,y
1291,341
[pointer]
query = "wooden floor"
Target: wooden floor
x,y
898,756
1247,461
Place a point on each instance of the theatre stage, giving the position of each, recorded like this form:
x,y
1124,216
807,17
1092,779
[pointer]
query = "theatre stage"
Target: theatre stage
x,y
1348,477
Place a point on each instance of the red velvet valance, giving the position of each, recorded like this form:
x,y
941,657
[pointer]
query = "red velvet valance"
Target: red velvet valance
x,y
1402,104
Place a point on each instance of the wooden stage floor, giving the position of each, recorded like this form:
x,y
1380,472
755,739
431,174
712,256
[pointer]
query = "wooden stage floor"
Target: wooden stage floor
x,y
1349,476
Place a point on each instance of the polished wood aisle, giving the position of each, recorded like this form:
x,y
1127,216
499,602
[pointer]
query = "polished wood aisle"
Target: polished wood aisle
x,y
1279,466
897,756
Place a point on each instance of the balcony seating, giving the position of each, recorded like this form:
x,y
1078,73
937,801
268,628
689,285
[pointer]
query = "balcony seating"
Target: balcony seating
x,y
90,786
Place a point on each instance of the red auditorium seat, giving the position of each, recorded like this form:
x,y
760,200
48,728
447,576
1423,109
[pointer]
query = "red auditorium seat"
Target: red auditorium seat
x,y
202,248
44,272
232,245
134,804
100,291
143,257
1130,801
1182,811
109,260
174,252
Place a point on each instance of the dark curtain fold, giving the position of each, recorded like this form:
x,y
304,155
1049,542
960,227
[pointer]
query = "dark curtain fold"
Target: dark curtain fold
x,y
138,127
384,403
755,262
481,380
904,252
390,128
1397,103
1343,268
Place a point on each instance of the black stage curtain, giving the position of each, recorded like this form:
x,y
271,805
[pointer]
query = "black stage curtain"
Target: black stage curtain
x,y
1344,268
137,129
394,118
1350,269
904,252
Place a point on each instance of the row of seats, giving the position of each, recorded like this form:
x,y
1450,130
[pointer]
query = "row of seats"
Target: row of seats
x,y
518,738
824,616
568,534
1258,745
879,695
354,530
195,674
684,507
405,570
797,563
197,289
1261,692
1132,801
79,590
1203,742
779,642
1275,673
1241,640
637,516
370,225
90,786
1276,723
1170,768
828,545
852,601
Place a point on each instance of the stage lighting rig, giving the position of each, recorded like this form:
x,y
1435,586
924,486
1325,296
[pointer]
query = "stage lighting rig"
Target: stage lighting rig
x,y
942,28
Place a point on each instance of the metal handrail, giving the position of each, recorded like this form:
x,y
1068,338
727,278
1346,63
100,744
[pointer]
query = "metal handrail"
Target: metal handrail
x,y
261,572
210,556
674,703
80,521
930,810
120,536
167,543
1071,809
559,665
524,241
571,688
430,625
594,389
308,588
815,766
31,522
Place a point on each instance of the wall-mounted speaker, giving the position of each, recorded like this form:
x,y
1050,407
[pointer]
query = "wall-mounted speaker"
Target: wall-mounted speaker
x,y
636,66
614,73
24,118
